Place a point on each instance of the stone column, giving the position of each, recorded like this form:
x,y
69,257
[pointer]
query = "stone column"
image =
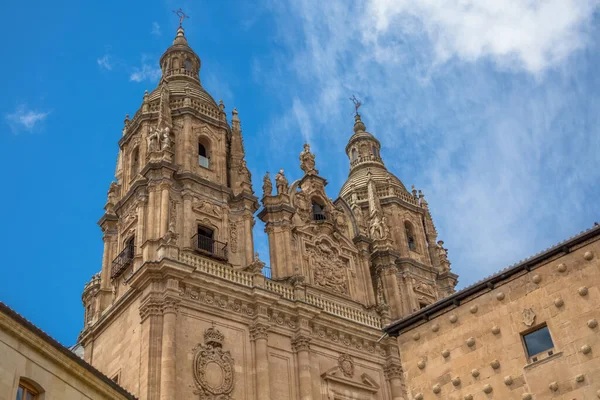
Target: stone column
x,y
258,334
247,238
393,374
168,355
390,286
301,346
186,237
164,210
151,213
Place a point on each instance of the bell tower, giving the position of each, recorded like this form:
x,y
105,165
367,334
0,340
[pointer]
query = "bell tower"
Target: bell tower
x,y
182,184
409,268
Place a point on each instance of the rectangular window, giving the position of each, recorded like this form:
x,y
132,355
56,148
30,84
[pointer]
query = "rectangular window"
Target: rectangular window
x,y
538,343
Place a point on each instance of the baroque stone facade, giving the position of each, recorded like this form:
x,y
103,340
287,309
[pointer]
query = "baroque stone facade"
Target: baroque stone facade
x,y
184,308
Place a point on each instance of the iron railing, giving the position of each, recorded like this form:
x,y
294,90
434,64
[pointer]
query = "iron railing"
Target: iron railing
x,y
210,247
122,261
319,217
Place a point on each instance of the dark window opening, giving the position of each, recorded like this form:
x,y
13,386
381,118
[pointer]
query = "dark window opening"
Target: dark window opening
x,y
410,237
375,151
206,244
538,342
123,260
188,65
203,159
205,239
354,154
318,212
135,163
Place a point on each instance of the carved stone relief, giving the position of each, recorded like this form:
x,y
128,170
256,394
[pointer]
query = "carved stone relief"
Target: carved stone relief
x,y
346,365
528,316
207,208
213,368
233,237
329,269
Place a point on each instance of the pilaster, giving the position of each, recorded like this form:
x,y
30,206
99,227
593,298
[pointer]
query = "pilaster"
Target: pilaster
x,y
259,335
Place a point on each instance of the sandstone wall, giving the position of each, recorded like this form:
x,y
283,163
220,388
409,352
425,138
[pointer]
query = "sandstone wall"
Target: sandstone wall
x,y
455,352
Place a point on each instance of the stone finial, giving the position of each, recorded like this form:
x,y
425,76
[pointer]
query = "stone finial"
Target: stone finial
x,y
414,191
221,106
307,161
235,120
267,185
553,386
359,126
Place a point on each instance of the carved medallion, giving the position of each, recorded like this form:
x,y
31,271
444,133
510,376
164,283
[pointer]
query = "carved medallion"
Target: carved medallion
x,y
528,316
346,365
213,367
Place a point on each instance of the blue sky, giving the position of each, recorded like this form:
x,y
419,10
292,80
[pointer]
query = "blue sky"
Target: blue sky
x,y
491,108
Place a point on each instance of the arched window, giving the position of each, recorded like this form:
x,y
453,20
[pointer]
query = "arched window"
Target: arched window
x,y
318,212
354,154
410,236
203,158
375,151
28,390
135,162
188,64
176,63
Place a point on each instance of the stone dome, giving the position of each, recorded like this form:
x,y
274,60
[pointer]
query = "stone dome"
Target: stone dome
x,y
363,151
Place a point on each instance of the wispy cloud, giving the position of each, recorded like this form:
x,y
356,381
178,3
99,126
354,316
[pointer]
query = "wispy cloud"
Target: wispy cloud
x,y
105,62
156,29
484,105
148,71
25,119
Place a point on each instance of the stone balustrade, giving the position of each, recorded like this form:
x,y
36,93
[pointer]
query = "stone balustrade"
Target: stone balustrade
x,y
285,290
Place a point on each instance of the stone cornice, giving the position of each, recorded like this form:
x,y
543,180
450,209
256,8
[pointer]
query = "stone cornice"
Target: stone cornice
x,y
185,175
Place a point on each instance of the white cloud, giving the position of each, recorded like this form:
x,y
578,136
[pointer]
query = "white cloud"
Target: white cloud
x,y
156,29
146,72
483,105
105,62
534,34
24,118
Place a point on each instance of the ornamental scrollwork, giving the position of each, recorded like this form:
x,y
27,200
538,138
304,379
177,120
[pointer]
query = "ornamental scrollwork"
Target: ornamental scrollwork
x,y
329,268
213,368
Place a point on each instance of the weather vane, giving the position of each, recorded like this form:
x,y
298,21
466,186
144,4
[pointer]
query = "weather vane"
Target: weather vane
x,y
357,103
181,16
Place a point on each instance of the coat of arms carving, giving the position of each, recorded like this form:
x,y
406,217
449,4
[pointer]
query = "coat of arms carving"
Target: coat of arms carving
x,y
346,365
329,269
213,368
528,316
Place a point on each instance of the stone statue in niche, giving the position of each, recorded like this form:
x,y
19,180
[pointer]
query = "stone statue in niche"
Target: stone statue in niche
x,y
213,368
166,142
281,182
307,160
243,172
153,141
443,254
379,229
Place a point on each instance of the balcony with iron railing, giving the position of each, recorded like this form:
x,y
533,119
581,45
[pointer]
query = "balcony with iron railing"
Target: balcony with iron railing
x,y
210,247
122,261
